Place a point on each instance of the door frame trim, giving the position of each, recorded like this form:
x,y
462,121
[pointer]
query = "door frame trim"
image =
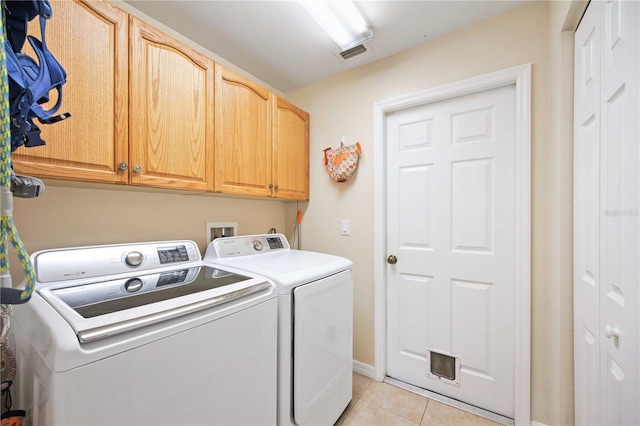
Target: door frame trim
x,y
520,76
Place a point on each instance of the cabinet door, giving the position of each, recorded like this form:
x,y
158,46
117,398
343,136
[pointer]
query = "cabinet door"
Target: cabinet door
x,y
171,112
243,135
290,152
89,39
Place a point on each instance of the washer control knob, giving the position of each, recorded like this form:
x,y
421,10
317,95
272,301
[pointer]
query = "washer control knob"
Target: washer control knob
x,y
133,285
257,245
134,258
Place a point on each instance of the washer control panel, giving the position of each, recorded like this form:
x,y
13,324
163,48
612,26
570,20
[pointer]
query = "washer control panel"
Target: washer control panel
x,y
246,245
93,261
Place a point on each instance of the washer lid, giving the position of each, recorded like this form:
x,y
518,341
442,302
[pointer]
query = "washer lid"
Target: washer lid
x,y
96,310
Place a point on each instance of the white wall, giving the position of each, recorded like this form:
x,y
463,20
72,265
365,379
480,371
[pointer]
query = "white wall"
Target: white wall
x,y
343,105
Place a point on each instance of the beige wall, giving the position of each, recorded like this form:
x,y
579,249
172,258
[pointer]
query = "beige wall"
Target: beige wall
x,y
102,214
563,19
343,106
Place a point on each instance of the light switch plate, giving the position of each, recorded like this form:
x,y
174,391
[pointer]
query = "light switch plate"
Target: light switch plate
x,y
345,227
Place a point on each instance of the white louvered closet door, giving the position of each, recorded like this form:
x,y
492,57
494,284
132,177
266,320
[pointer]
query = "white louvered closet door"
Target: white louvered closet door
x,y
607,215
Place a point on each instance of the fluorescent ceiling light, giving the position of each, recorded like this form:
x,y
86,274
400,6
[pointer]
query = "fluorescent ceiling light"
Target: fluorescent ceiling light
x,y
341,20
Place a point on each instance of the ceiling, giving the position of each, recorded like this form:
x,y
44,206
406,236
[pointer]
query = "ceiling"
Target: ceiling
x,y
279,43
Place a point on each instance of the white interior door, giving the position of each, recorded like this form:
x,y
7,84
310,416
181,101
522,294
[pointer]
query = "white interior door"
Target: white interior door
x,y
619,186
586,220
451,225
607,210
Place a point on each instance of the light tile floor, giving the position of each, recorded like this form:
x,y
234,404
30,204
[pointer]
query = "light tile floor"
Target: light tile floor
x,y
379,403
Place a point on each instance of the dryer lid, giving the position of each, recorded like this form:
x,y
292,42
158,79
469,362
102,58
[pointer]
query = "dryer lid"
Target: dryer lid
x,y
270,256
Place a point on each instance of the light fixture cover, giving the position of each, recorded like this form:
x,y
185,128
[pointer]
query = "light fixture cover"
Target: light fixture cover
x,y
341,20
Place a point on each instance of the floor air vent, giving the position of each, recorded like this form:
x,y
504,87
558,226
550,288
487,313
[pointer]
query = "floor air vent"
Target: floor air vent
x,y
354,51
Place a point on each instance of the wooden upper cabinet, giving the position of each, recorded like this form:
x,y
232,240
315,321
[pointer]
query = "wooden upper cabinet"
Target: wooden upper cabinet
x,y
243,116
171,112
290,152
89,39
143,111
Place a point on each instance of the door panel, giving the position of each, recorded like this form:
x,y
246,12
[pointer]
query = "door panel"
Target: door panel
x,y
607,205
323,348
290,151
171,112
586,220
243,140
619,236
89,39
451,223
471,227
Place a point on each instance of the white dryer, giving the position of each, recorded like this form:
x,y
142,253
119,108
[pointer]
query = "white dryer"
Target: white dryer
x,y
145,334
315,322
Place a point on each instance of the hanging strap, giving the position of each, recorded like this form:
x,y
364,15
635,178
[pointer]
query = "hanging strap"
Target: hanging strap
x,y
8,231
18,16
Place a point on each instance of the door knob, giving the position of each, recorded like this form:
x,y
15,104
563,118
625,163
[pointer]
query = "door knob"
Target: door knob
x,y
392,259
611,332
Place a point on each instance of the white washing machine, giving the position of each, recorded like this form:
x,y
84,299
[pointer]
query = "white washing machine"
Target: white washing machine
x,y
315,322
141,334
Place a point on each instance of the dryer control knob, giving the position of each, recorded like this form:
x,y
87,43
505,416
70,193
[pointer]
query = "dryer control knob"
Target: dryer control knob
x,y
134,258
257,245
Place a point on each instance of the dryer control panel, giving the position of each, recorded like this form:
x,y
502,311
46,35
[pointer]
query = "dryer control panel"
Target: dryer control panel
x,y
246,245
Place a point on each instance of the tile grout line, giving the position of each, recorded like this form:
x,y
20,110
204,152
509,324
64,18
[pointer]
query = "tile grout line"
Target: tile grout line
x,y
424,413
391,410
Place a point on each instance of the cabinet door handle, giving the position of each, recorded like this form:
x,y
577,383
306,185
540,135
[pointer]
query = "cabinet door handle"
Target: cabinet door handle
x,y
123,166
392,260
276,187
270,186
137,168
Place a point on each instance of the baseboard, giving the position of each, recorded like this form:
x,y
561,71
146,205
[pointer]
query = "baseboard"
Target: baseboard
x,y
362,368
537,424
